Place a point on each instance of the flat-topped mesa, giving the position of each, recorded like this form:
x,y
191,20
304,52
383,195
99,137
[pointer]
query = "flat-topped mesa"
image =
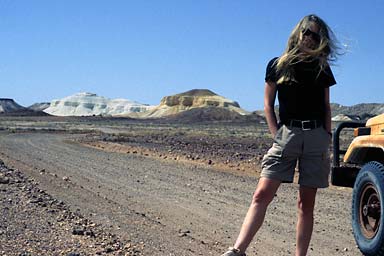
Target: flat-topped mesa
x,y
9,105
88,104
193,99
197,98
197,92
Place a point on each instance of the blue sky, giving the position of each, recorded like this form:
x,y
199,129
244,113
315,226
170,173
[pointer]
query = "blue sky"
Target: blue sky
x,y
146,49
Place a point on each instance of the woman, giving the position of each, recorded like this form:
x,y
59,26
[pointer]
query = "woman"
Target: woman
x,y
301,78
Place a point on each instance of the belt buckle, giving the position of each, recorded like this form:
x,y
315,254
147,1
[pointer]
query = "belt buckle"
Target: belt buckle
x,y
303,125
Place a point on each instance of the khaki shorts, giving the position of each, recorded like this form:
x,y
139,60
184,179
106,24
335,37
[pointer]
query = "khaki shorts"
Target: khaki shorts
x,y
309,149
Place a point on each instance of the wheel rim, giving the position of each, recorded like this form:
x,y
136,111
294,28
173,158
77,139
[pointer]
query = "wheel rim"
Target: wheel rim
x,y
370,211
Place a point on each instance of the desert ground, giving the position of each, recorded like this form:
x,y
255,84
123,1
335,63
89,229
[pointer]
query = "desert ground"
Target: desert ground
x,y
116,186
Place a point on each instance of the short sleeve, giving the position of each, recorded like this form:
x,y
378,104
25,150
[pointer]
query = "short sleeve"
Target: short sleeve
x,y
327,78
270,74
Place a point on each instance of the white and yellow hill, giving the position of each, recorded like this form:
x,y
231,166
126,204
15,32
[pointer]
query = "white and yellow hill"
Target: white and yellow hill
x,y
193,99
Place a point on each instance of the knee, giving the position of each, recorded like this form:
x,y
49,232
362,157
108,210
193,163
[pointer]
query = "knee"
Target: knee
x,y
262,197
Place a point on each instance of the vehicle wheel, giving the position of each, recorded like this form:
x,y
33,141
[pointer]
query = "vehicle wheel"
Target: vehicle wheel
x,y
367,209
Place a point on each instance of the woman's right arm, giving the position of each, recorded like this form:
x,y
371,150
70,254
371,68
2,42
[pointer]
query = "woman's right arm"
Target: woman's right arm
x,y
269,106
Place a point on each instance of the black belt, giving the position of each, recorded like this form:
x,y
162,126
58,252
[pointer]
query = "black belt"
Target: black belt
x,y
304,124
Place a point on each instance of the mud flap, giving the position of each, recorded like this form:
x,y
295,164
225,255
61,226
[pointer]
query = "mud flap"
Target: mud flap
x,y
344,176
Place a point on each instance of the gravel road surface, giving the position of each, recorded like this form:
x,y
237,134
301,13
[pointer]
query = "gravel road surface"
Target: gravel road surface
x,y
171,208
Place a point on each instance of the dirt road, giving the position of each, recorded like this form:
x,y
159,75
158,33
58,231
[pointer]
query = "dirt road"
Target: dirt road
x,y
170,207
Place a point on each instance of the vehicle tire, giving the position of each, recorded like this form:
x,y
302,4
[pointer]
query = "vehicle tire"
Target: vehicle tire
x,y
367,209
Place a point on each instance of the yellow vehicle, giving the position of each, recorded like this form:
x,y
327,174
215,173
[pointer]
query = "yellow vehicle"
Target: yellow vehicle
x,y
363,170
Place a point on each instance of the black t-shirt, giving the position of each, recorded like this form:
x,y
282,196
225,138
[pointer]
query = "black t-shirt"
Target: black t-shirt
x,y
304,98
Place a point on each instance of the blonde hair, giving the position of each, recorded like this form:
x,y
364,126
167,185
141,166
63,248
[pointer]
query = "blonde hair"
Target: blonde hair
x,y
326,51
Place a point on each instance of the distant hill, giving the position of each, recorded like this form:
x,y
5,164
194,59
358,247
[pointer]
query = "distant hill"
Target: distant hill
x,y
8,107
39,106
196,93
211,114
361,111
204,101
89,104
189,106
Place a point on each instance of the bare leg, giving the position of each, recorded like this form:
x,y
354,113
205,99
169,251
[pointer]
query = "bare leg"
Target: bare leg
x,y
306,205
265,191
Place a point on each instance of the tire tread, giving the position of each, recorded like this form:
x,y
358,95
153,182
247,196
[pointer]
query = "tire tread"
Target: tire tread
x,y
378,169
